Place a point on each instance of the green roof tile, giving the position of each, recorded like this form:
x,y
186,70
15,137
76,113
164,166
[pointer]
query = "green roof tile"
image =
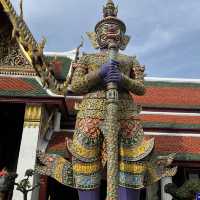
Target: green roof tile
x,y
65,63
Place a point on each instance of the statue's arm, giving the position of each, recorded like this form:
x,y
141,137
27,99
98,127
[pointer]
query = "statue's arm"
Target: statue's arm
x,y
82,81
135,82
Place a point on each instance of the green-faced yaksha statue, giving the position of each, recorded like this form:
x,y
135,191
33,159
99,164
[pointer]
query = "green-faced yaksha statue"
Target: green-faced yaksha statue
x,y
92,145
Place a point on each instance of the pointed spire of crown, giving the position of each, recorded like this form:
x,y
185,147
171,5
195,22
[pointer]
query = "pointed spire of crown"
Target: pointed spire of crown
x,y
110,16
110,10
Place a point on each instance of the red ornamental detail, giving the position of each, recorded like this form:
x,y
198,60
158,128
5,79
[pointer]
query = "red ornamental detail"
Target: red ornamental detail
x,y
3,173
57,67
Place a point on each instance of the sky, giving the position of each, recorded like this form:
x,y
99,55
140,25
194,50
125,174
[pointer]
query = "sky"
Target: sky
x,y
165,33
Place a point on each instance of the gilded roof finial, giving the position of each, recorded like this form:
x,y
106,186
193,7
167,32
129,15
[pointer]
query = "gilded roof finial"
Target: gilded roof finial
x,y
110,10
21,9
110,2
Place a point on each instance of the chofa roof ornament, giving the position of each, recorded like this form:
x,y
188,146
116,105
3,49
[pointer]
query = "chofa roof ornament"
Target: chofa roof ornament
x,y
110,12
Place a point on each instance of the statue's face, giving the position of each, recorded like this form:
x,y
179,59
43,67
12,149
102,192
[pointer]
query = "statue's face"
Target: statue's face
x,y
109,33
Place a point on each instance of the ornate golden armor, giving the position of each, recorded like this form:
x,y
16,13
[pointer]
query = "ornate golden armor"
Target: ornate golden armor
x,y
88,146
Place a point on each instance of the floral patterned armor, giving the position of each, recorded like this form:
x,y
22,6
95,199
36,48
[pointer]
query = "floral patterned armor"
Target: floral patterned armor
x,y
137,167
88,146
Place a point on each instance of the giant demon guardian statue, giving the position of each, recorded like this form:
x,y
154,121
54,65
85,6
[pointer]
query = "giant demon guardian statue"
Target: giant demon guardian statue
x,y
108,131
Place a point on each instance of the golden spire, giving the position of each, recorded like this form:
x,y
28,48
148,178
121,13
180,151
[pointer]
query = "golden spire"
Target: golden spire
x,y
110,16
110,2
110,10
21,9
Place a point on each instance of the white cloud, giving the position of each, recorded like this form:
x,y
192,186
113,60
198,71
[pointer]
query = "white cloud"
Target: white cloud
x,y
157,39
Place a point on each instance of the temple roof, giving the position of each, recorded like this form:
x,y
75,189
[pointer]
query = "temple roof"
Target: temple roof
x,y
171,104
171,94
20,54
171,121
63,60
21,87
18,23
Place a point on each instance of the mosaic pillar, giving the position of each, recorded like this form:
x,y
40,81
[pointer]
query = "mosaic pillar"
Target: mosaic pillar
x,y
164,195
28,147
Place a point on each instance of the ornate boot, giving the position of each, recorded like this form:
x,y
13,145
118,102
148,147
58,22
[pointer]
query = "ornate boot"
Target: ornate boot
x,y
128,194
89,194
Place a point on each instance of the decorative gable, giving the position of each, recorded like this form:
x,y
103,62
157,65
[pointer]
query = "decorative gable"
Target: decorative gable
x,y
12,59
20,54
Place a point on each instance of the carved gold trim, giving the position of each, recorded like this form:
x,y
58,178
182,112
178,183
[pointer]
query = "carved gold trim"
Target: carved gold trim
x,y
32,116
7,70
26,54
6,7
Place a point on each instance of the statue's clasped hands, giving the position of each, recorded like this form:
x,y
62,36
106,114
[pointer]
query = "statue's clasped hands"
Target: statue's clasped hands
x,y
109,72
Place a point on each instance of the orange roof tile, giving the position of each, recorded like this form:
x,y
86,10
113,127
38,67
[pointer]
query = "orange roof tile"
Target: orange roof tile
x,y
170,97
7,83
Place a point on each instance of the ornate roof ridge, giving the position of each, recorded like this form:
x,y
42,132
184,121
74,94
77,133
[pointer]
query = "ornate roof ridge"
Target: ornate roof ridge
x,y
31,49
18,23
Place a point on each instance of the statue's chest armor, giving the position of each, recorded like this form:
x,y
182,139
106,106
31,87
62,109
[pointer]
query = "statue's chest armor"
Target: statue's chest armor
x,y
96,61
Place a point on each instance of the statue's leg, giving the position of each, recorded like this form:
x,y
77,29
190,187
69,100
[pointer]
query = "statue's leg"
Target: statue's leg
x,y
128,194
89,194
85,149
131,172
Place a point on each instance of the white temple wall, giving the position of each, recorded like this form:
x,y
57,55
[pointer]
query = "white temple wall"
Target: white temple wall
x,y
28,147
